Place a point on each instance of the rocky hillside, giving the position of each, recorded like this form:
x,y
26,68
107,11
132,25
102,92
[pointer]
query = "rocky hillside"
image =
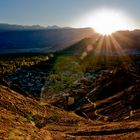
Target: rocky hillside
x,y
24,118
84,97
119,43
110,95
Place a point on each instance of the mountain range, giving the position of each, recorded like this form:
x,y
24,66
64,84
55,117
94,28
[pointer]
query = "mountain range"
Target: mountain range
x,y
6,27
17,38
35,38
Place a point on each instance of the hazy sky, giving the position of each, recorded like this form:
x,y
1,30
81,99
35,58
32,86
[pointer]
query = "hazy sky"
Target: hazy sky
x,y
62,12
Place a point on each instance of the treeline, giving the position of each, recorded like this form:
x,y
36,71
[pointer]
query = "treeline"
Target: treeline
x,y
10,62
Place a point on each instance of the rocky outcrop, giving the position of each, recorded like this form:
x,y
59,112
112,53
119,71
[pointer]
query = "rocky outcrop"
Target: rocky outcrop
x,y
26,82
111,95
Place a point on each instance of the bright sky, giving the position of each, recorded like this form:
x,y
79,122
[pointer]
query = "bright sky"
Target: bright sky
x,y
64,12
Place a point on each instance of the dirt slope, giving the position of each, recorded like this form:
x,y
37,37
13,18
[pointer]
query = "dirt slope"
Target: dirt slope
x,y
23,118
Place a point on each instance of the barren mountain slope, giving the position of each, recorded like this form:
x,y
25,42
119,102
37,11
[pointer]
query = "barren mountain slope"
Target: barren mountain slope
x,y
25,118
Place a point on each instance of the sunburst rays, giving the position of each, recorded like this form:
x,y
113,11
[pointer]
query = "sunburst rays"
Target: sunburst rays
x,y
108,46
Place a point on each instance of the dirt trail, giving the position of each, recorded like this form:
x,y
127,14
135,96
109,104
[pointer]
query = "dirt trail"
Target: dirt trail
x,y
106,132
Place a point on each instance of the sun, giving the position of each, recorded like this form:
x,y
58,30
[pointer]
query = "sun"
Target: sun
x,y
106,22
